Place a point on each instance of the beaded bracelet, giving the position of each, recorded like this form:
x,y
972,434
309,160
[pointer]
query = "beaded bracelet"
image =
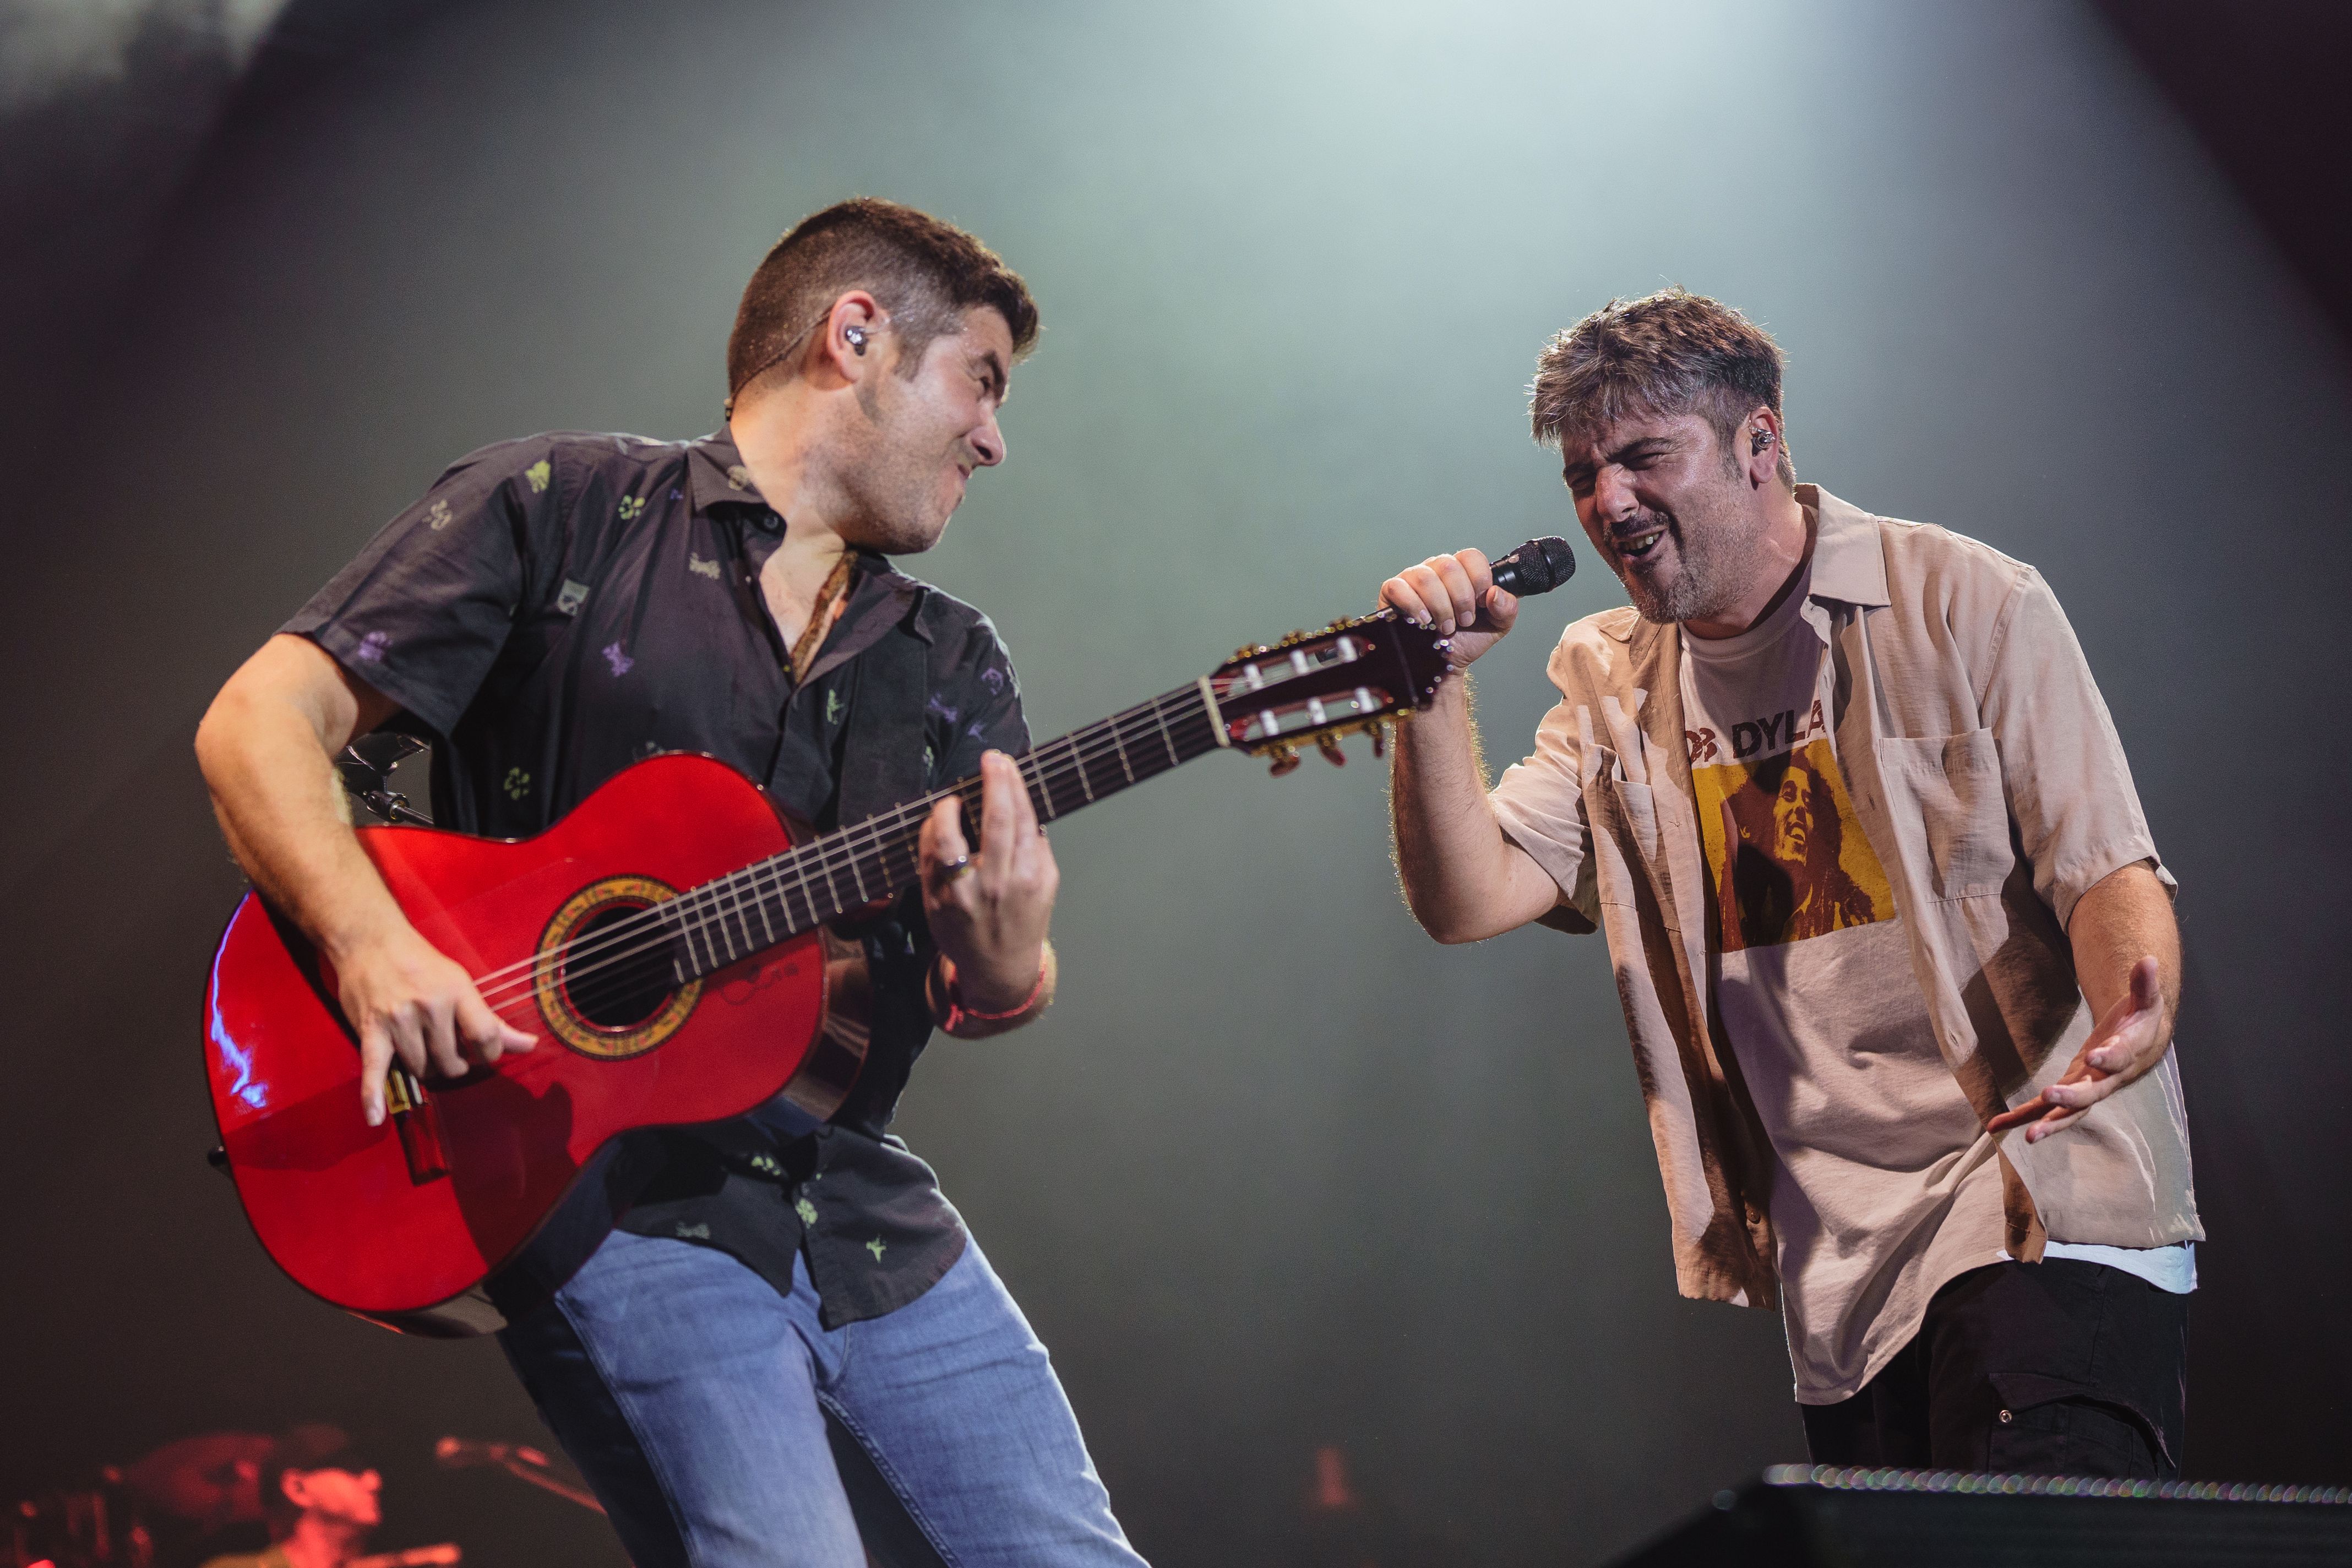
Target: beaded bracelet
x,y
958,1013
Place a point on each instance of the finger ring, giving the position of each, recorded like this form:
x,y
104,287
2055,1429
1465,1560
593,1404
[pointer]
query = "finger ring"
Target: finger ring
x,y
956,868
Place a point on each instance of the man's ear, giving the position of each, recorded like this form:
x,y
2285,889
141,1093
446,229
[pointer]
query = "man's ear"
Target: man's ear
x,y
1757,447
847,341
290,1482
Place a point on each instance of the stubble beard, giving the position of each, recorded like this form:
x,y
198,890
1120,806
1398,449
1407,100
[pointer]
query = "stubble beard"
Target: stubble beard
x,y
1710,546
895,509
890,487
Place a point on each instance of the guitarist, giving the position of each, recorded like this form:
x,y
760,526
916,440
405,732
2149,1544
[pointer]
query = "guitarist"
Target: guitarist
x,y
554,609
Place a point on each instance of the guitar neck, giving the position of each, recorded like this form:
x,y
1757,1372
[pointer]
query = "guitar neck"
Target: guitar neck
x,y
727,920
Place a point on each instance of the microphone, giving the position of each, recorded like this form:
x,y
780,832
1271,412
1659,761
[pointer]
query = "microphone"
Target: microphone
x,y
1536,567
522,1462
457,1453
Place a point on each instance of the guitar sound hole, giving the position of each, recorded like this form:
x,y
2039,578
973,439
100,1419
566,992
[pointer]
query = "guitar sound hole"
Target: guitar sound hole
x,y
618,975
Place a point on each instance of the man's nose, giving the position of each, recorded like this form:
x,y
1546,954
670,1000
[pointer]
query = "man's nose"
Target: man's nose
x,y
988,444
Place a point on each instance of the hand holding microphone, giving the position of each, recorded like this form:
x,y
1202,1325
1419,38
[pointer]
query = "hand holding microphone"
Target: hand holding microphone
x,y
1472,601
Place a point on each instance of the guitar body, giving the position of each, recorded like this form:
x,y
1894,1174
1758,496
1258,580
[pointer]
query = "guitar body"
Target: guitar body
x,y
528,1160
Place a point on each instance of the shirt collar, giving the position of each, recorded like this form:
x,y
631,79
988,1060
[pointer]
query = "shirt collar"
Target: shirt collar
x,y
881,594
1848,563
716,475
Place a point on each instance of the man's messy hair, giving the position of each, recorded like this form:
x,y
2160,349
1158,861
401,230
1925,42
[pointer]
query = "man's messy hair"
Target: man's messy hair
x,y
1665,354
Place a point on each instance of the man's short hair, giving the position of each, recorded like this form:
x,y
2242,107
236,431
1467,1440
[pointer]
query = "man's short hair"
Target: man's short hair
x,y
1665,354
924,272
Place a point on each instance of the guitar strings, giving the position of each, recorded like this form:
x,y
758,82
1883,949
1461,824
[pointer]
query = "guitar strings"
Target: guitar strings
x,y
724,897
713,903
825,855
702,906
662,925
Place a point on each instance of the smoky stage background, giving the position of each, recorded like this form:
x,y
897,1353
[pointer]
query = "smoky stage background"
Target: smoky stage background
x,y
1277,1174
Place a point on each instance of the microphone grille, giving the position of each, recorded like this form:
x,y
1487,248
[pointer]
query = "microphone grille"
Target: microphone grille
x,y
1541,564
1559,561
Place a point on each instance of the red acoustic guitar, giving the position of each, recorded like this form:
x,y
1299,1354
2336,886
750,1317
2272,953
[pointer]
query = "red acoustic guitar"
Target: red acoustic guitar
x,y
668,941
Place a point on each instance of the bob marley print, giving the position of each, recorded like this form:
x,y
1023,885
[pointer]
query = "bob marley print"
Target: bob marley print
x,y
1789,861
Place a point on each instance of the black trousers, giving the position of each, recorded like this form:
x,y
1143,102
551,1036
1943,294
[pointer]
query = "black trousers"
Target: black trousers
x,y
2060,1368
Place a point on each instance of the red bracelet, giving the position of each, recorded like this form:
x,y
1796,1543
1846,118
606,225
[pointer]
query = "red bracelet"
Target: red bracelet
x,y
958,1013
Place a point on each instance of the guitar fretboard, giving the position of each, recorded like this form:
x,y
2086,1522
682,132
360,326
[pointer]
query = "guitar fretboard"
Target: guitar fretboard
x,y
727,920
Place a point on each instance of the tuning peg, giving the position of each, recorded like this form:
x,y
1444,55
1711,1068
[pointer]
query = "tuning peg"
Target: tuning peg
x,y
1329,746
1285,758
1251,650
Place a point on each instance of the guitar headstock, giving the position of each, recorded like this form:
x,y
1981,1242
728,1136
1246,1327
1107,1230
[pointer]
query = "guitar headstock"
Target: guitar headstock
x,y
1312,688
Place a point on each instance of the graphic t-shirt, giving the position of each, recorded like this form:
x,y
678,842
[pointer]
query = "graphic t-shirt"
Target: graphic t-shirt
x,y
1886,1184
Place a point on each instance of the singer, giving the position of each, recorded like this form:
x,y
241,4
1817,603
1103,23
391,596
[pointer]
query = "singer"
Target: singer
x,y
554,609
1896,949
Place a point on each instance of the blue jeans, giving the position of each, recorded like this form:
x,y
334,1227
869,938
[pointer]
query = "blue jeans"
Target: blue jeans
x,y
693,1396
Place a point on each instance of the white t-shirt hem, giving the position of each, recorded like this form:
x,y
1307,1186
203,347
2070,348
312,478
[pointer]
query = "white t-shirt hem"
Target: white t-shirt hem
x,y
2172,1268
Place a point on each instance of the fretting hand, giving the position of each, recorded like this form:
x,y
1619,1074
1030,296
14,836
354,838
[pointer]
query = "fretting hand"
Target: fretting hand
x,y
990,909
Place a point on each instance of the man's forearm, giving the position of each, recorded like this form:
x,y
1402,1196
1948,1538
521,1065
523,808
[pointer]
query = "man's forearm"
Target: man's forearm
x,y
266,746
1463,880
2124,917
280,807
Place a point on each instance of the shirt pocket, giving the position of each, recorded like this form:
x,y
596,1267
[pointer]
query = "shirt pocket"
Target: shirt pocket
x,y
1624,817
1948,810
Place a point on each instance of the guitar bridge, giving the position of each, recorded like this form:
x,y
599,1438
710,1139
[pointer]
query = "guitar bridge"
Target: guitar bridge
x,y
418,1122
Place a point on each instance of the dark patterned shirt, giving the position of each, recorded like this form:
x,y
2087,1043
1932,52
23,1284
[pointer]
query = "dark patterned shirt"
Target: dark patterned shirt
x,y
558,607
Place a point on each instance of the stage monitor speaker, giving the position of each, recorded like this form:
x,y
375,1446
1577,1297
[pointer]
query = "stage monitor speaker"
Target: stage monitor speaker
x,y
1800,1516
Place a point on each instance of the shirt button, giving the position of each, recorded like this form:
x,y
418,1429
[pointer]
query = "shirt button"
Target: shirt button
x,y
770,521
2006,1417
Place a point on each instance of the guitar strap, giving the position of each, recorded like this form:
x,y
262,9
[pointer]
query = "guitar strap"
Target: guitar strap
x,y
884,759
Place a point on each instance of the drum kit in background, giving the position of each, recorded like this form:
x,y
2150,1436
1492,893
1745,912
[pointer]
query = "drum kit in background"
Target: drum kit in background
x,y
201,1497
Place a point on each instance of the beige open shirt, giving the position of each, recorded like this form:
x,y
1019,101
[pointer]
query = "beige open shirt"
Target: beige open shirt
x,y
1990,780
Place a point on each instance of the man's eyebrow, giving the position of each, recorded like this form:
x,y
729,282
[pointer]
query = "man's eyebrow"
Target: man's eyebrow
x,y
1635,448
